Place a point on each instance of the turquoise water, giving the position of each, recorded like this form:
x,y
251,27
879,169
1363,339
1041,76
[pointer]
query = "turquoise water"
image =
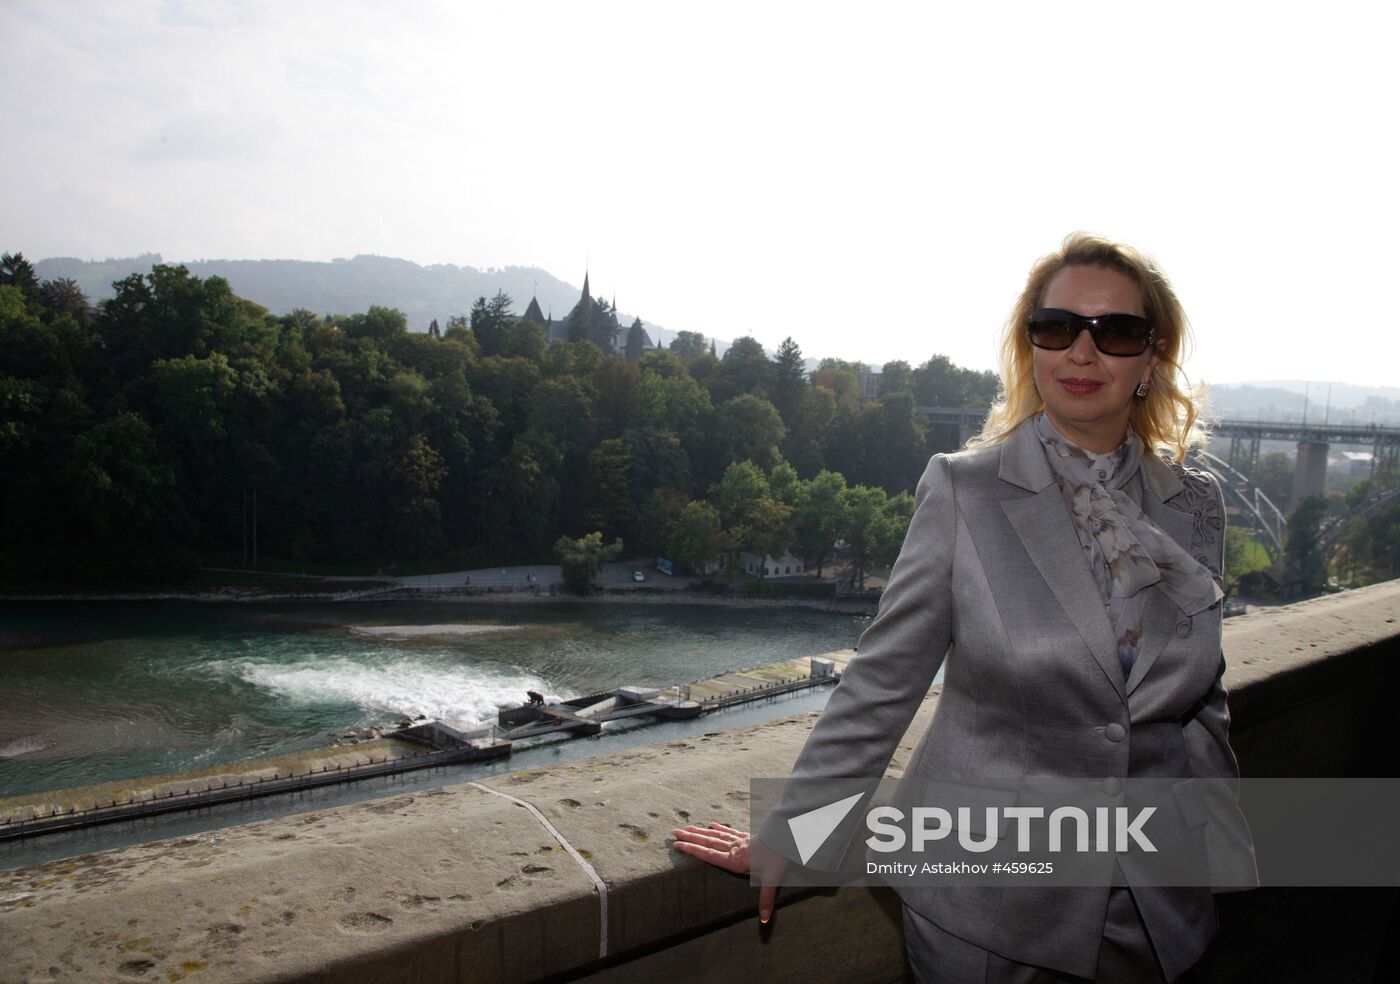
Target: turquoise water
x,y
98,692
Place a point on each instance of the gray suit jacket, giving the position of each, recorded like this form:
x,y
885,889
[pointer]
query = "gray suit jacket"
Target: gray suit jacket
x,y
991,581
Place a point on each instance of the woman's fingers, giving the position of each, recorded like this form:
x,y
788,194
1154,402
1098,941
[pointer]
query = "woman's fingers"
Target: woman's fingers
x,y
766,897
715,825
695,835
700,851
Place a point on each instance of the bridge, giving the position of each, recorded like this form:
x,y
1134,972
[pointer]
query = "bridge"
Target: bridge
x,y
1313,439
1245,435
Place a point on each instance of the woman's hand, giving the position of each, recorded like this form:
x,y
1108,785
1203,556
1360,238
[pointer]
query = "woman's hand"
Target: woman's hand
x,y
724,847
727,848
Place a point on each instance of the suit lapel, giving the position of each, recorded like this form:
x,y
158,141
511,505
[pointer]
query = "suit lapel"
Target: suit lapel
x,y
1042,523
1160,615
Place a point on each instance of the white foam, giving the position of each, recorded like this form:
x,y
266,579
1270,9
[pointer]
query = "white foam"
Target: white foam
x,y
23,746
398,686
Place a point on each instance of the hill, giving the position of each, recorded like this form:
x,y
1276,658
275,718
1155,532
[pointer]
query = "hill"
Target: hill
x,y
348,286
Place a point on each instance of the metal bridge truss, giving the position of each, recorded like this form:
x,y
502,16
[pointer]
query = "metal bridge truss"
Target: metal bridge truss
x,y
1329,535
1265,517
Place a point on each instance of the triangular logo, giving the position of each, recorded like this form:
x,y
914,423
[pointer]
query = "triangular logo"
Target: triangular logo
x,y
810,830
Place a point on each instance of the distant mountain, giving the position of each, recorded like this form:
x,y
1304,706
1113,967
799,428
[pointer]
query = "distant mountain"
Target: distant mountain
x,y
1284,398
350,286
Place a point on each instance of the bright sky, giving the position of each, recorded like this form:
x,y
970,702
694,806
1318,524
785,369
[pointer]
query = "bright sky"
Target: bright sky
x,y
873,179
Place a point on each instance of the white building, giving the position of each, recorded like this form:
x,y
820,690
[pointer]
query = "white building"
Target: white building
x,y
768,566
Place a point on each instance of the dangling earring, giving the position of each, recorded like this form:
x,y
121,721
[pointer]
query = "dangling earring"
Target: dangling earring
x,y
1143,388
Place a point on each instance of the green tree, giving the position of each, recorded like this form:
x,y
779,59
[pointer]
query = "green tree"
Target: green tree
x,y
618,386
940,383
887,530
821,518
1301,551
767,530
381,324
841,382
733,496
1370,548
524,340
1244,556
804,445
896,377
673,403
490,322
656,521
16,271
192,401
580,358
416,525
749,515
459,329
533,483
582,560
508,384
785,486
62,296
636,340
745,369
167,314
864,514
891,442
749,427
789,381
696,537
129,500
563,408
607,488
1274,477
689,345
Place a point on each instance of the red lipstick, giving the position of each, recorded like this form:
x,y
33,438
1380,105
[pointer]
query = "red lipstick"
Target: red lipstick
x,y
1081,387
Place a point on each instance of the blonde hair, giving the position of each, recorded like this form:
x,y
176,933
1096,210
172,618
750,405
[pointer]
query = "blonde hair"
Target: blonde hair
x,y
1168,417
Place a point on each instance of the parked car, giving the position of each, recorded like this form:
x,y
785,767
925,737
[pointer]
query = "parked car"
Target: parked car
x,y
638,576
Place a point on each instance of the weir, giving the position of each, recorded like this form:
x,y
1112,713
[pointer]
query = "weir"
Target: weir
x,y
447,743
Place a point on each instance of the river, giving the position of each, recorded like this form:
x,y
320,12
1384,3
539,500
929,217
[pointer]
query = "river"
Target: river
x,y
102,691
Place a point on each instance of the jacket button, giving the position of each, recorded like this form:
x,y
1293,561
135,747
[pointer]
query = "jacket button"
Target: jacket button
x,y
1114,732
1112,786
1183,628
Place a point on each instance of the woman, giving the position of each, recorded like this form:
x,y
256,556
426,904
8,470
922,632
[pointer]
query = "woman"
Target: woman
x,y
1064,570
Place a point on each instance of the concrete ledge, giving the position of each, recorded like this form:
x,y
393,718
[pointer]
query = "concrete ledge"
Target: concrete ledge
x,y
1311,685
458,884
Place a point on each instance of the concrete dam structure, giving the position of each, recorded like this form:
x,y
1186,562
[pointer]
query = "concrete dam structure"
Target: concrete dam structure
x,y
567,873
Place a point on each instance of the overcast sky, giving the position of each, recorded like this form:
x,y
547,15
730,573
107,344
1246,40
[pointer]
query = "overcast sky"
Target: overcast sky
x,y
873,179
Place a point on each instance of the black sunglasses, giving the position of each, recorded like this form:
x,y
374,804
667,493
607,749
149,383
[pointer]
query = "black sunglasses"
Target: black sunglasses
x,y
1113,334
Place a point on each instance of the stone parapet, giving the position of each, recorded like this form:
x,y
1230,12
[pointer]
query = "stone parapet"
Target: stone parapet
x,y
464,884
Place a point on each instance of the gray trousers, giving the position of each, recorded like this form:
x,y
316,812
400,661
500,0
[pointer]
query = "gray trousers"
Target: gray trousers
x,y
1125,954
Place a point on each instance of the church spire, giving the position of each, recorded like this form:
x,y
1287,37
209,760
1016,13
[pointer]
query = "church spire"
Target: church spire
x,y
586,295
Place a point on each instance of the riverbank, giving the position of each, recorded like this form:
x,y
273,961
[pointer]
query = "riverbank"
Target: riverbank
x,y
456,590
678,596
628,581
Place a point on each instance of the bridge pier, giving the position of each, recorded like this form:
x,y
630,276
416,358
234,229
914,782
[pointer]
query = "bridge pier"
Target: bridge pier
x,y
1310,472
1384,457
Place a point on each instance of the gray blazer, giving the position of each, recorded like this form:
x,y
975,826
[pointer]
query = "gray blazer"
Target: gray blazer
x,y
991,580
